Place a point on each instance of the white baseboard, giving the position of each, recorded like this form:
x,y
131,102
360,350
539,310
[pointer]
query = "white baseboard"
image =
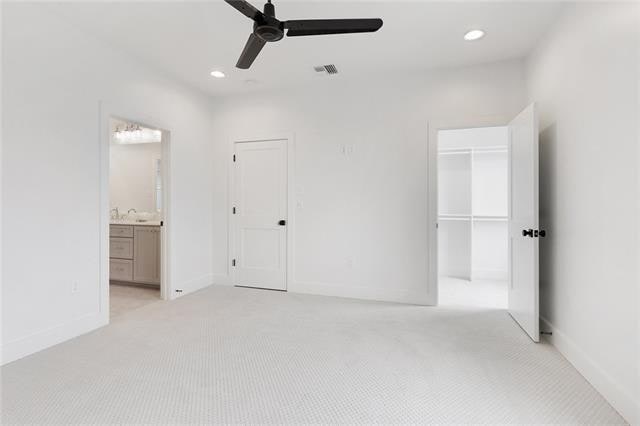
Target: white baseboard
x,y
44,339
358,292
192,285
338,290
597,376
19,348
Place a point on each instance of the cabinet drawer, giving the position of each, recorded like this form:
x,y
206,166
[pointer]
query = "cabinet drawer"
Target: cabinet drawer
x,y
120,269
121,231
121,248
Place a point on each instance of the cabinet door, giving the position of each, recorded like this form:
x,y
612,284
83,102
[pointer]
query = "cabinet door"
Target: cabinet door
x,y
120,269
146,256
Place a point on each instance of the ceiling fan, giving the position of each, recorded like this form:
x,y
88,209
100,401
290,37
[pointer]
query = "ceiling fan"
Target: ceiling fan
x,y
266,28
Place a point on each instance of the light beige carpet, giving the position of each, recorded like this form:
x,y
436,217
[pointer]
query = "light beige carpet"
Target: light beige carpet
x,y
231,355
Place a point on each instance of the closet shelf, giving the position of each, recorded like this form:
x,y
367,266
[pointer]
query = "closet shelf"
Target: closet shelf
x,y
455,152
490,218
479,218
497,149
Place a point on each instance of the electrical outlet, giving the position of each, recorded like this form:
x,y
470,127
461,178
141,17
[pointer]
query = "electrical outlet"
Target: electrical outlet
x,y
75,287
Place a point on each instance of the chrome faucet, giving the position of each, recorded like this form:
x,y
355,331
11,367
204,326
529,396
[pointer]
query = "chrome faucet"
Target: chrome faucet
x,y
117,213
131,210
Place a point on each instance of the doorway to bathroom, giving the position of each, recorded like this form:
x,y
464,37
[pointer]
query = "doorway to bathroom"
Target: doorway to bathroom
x,y
137,205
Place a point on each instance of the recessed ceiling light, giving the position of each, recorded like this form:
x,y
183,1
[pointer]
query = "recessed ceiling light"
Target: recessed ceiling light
x,y
218,74
474,35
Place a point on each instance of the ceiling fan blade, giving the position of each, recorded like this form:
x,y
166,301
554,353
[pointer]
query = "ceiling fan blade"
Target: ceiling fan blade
x,y
307,27
250,52
246,8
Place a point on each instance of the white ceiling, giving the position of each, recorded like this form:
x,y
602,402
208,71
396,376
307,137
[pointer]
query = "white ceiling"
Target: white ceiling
x,y
189,39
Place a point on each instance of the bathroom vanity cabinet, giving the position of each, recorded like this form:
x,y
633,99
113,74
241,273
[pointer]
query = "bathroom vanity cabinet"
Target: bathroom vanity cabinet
x,y
134,253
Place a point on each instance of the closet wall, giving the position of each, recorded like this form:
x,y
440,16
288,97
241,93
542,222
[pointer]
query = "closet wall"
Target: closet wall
x,y
472,203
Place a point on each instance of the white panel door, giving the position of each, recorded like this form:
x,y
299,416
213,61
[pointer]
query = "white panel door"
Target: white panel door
x,y
260,196
523,221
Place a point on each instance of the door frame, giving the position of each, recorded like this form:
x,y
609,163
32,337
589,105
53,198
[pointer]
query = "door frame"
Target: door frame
x,y
289,139
433,128
107,111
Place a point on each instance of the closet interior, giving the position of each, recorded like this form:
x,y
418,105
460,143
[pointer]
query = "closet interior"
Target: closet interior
x,y
473,215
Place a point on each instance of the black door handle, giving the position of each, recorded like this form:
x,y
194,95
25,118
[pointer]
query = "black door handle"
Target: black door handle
x,y
534,234
282,222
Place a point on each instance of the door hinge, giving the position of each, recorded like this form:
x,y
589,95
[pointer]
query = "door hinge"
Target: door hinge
x,y
234,158
234,210
233,262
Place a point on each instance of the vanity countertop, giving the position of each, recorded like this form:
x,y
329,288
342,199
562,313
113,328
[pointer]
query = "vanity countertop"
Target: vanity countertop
x,y
131,222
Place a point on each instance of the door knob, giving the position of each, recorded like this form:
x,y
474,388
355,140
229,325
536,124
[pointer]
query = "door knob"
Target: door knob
x,y
527,233
282,222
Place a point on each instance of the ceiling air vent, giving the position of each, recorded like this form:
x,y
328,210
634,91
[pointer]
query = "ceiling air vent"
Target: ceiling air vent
x,y
329,69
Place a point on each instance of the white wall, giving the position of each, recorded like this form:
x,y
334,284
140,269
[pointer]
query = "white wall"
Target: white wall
x,y
132,176
362,228
53,78
584,76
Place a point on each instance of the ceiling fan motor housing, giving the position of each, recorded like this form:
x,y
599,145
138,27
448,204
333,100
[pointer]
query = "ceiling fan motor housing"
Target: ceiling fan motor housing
x,y
269,29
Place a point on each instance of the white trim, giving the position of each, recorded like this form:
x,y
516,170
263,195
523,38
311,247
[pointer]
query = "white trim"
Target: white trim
x,y
165,240
472,159
619,399
43,339
432,216
382,294
289,137
1,209
194,284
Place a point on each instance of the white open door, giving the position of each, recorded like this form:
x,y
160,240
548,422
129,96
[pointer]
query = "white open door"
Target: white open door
x,y
260,206
523,221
